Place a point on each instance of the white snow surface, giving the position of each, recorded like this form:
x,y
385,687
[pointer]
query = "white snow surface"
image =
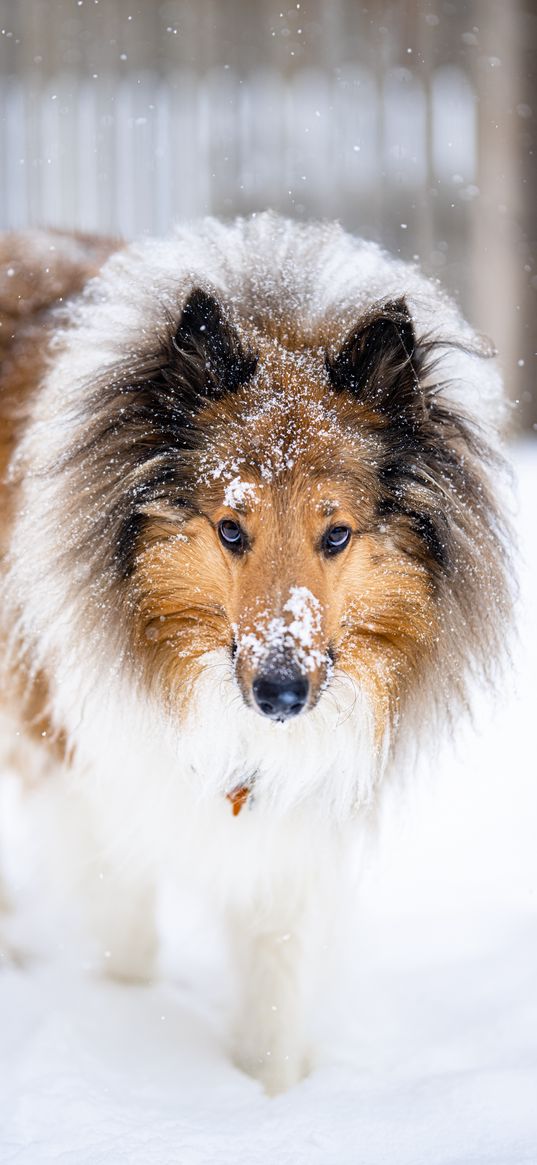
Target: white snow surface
x,y
428,1042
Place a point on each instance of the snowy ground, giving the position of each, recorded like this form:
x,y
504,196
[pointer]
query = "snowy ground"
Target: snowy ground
x,y
432,1054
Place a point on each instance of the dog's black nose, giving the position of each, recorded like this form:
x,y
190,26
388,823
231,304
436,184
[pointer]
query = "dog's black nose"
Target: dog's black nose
x,y
280,697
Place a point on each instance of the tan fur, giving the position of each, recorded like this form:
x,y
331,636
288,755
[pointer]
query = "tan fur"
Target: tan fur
x,y
38,272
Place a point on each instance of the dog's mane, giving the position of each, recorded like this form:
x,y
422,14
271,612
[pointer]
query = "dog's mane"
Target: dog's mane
x,y
135,427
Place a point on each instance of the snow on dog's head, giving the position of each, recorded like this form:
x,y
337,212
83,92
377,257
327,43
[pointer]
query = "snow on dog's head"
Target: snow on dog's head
x,y
272,496
288,557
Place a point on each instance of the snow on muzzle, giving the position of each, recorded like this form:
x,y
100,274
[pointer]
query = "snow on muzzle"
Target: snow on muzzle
x,y
281,663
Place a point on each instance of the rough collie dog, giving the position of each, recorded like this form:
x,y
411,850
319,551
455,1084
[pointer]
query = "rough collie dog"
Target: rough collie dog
x,y
251,545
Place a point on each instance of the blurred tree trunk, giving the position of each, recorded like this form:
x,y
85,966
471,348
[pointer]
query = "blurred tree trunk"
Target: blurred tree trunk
x,y
504,211
527,144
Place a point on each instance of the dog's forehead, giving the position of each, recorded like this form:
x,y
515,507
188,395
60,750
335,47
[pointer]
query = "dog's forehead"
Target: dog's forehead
x,y
285,425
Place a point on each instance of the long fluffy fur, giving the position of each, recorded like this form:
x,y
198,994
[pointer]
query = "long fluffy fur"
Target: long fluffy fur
x,y
175,349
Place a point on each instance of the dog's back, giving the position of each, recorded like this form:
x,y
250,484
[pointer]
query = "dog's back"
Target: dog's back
x,y
40,272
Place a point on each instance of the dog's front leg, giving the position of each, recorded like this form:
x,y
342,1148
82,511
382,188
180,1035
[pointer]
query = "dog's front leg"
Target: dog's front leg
x,y
273,958
121,915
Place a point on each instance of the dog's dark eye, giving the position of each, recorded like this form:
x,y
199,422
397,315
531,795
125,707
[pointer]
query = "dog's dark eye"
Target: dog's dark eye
x,y
231,535
336,539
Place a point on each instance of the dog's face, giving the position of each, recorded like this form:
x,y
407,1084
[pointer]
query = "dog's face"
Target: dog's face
x,y
282,544
272,502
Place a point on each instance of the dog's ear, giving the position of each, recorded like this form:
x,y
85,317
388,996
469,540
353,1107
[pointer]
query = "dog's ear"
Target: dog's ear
x,y
210,346
378,362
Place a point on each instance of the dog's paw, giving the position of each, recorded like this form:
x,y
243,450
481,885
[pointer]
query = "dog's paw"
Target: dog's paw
x,y
276,1072
128,964
13,954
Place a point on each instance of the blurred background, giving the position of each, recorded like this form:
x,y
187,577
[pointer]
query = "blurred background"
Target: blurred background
x,y
411,121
